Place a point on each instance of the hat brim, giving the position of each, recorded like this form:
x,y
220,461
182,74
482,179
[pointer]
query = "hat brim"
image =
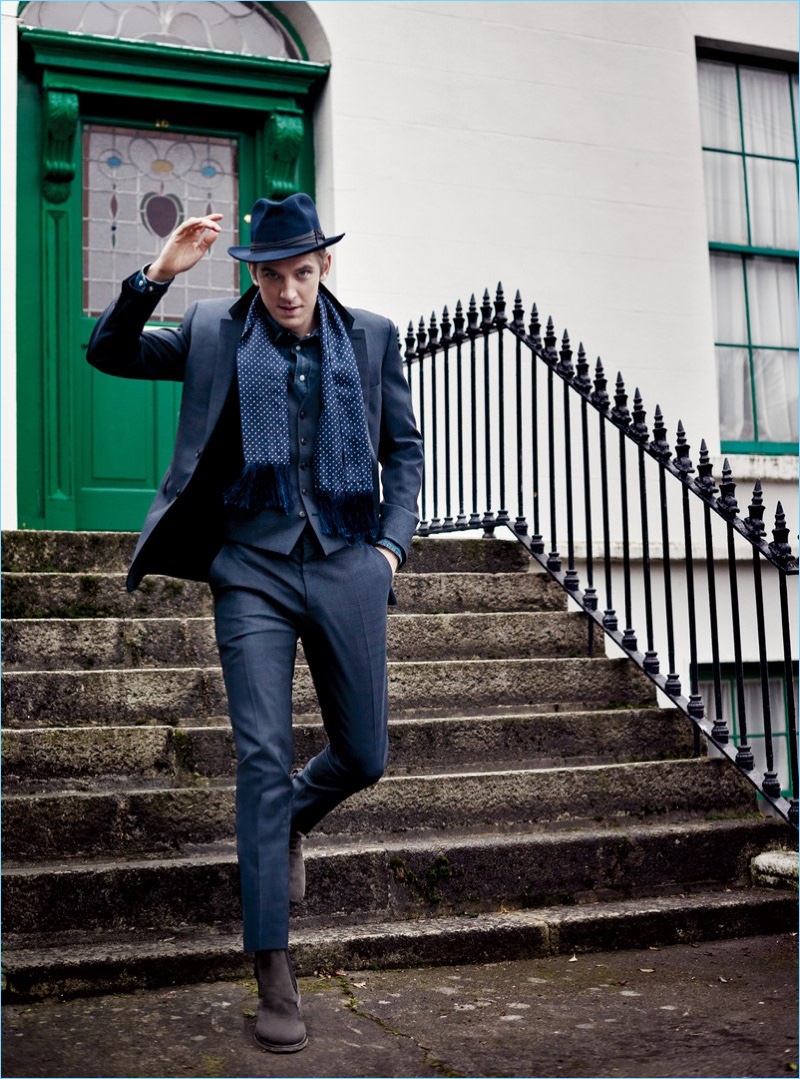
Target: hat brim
x,y
246,254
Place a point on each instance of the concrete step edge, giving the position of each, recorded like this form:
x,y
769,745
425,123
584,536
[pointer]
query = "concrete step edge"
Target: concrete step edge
x,y
113,963
318,848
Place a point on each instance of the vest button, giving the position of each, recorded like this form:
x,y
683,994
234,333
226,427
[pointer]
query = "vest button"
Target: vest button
x,y
303,441
304,491
302,415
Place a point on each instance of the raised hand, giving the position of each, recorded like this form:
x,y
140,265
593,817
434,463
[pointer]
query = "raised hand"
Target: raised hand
x,y
185,247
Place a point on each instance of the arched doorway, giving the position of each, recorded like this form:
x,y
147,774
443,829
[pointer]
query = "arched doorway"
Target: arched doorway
x,y
132,117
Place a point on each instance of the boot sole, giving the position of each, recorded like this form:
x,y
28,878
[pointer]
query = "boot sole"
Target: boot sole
x,y
273,1048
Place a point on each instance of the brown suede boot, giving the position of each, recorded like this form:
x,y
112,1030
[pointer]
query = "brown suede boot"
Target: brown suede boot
x,y
297,869
279,1027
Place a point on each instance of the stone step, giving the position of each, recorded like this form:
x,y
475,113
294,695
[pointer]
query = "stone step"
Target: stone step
x,y
103,595
31,551
134,821
85,757
47,644
69,965
169,695
396,877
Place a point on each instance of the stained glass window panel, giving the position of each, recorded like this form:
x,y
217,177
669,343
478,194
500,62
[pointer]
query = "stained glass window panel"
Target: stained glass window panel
x,y
137,187
246,29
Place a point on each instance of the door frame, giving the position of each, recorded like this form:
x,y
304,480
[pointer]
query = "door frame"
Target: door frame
x,y
60,74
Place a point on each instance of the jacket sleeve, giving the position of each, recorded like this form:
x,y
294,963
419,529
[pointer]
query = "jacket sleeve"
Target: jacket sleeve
x,y
400,451
120,344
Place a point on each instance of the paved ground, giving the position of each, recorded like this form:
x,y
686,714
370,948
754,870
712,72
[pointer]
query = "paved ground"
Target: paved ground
x,y
726,1009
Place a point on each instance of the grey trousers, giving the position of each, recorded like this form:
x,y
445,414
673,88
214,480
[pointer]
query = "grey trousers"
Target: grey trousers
x,y
337,606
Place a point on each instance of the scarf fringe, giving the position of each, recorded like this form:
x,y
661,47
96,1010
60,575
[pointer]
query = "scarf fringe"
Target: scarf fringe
x,y
261,486
350,516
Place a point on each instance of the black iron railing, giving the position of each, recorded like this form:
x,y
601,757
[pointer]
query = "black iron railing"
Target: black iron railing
x,y
506,414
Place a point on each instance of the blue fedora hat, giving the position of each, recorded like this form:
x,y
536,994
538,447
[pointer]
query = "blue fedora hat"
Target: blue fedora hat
x,y
281,230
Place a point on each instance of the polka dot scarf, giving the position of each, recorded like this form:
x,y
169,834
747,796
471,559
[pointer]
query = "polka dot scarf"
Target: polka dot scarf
x,y
343,485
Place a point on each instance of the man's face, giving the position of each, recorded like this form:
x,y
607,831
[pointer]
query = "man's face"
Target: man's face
x,y
289,289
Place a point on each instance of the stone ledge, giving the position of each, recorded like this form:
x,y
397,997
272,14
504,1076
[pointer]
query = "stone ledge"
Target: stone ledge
x,y
775,869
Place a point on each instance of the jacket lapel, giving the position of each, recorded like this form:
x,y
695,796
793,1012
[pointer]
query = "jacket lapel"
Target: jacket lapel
x,y
230,330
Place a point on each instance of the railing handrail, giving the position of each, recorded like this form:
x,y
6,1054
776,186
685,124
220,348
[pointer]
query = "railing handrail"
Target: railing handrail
x,y
479,324
434,393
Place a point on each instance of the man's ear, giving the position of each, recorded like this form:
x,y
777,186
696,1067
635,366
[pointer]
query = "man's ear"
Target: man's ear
x,y
253,270
326,266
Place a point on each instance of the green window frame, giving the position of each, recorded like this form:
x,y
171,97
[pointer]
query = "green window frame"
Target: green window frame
x,y
746,355
779,717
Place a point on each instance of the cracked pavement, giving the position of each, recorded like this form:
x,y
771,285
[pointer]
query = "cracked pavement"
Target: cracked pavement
x,y
718,1009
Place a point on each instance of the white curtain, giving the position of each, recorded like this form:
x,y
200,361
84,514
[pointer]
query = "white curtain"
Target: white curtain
x,y
735,395
757,105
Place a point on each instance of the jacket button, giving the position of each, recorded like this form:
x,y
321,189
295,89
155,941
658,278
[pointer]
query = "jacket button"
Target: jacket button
x,y
198,452
303,441
178,491
302,513
304,491
302,415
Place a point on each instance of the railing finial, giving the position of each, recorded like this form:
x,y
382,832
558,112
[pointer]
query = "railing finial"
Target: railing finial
x,y
433,332
518,314
535,328
447,326
486,312
600,398
619,413
582,382
683,461
754,521
639,427
564,365
458,321
780,546
422,337
550,355
472,316
500,317
659,446
726,503
704,482
410,342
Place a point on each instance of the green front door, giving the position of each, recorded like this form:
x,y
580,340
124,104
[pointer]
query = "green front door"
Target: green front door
x,y
138,183
116,147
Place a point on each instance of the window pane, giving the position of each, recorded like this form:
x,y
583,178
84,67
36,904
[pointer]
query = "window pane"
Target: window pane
x,y
735,403
719,105
727,295
772,194
766,112
775,375
212,24
724,179
772,299
138,185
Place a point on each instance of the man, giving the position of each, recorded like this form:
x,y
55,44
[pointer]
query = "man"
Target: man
x,y
290,404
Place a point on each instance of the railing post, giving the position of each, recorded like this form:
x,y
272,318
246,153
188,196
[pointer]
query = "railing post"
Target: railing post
x,y
488,520
622,418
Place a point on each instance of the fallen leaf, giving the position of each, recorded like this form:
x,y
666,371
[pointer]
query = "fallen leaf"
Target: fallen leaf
x,y
722,979
360,985
653,948
623,983
574,959
647,970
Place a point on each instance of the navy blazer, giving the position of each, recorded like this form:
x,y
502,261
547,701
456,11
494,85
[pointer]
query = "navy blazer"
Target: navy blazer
x,y
183,528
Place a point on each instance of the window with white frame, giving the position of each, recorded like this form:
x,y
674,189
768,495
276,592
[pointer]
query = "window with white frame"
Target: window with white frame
x,y
749,133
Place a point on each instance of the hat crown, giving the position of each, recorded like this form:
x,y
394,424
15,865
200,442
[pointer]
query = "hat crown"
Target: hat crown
x,y
292,219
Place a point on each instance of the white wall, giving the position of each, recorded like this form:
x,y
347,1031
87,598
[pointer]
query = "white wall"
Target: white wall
x,y
553,146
